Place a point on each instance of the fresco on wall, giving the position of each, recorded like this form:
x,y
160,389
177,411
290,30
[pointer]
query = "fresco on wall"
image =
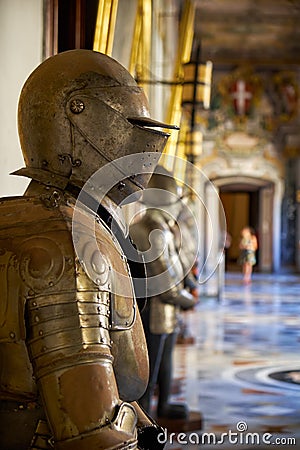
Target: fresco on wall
x,y
242,136
254,102
248,109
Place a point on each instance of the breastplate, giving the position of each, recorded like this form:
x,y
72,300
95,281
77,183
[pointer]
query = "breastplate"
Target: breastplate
x,y
55,298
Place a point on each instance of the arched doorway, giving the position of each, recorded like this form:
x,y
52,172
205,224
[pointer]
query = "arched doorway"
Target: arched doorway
x,y
250,201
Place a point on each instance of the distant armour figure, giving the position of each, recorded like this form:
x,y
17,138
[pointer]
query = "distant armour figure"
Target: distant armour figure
x,y
168,296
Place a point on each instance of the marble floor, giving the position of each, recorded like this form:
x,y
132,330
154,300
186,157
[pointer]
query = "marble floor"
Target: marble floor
x,y
226,374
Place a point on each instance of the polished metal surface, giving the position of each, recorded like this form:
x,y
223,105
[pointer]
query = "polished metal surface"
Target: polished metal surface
x,y
59,125
72,345
154,237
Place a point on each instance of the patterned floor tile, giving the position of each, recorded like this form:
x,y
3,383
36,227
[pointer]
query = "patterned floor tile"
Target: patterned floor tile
x,y
237,342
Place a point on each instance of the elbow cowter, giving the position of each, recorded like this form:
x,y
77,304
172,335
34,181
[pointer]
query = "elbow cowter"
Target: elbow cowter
x,y
178,296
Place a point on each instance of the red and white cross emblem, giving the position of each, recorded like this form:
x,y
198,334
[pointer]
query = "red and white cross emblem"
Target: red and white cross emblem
x,y
241,95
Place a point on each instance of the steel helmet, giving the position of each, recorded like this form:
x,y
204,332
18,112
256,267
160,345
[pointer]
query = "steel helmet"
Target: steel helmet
x,y
80,110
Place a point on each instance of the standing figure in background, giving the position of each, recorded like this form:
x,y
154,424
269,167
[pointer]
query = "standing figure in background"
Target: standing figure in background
x,y
73,352
248,247
153,235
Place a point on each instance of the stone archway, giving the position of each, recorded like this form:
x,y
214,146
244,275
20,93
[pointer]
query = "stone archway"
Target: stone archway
x,y
270,192
262,219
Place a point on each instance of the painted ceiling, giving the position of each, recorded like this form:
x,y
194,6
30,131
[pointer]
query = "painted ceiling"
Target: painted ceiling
x,y
261,32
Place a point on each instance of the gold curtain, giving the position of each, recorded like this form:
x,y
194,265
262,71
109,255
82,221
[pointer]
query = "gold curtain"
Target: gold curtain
x,y
105,26
174,112
141,45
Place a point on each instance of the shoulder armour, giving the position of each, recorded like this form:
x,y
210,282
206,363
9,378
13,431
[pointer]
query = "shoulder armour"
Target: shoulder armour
x,y
35,250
